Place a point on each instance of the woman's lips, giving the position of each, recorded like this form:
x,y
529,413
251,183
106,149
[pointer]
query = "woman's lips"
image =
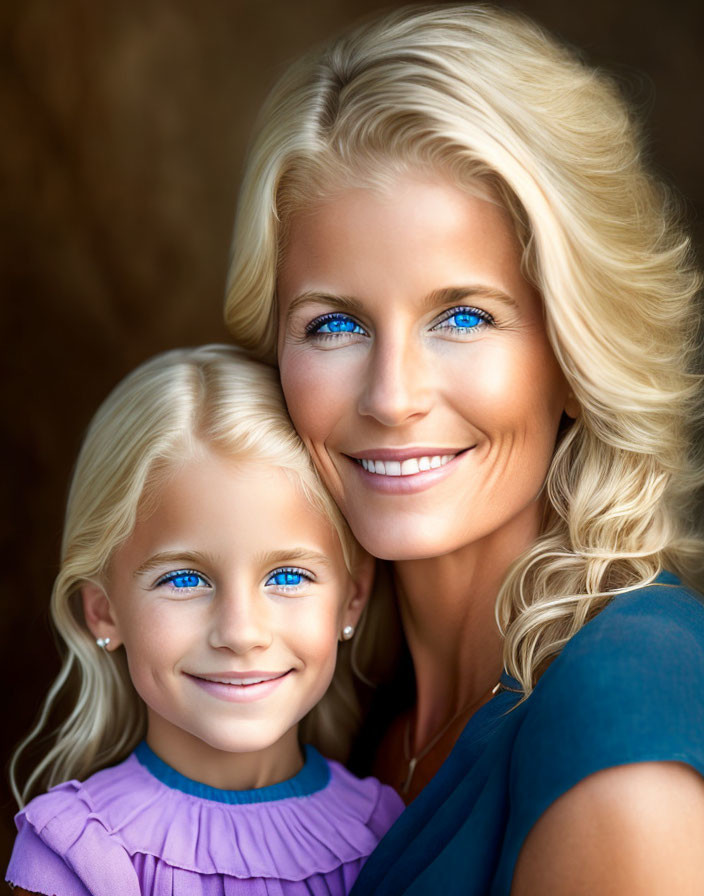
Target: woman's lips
x,y
403,472
239,688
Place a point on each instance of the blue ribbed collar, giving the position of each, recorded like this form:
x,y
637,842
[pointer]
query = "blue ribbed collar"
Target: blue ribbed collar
x,y
314,776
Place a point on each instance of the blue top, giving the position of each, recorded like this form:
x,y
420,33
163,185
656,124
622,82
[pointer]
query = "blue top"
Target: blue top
x,y
628,687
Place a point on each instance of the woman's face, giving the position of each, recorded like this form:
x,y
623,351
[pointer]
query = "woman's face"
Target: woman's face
x,y
416,366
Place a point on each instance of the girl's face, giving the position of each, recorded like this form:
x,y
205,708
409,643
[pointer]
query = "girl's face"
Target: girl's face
x,y
416,366
229,598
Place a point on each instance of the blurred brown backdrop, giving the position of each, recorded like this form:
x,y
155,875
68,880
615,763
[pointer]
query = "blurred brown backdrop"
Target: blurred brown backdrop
x,y
124,125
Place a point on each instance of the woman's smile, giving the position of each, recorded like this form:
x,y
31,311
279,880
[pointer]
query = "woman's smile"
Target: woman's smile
x,y
406,471
416,365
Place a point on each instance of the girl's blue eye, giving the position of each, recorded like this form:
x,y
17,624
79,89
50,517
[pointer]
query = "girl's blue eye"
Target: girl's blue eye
x,y
183,578
332,324
290,577
464,320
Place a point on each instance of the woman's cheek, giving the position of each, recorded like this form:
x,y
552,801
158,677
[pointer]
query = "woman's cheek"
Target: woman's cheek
x,y
312,394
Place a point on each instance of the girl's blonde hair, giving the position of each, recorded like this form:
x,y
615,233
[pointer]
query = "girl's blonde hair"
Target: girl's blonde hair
x,y
486,99
159,416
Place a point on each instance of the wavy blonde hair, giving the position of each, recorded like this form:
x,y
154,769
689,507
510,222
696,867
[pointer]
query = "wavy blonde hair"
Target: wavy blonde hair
x,y
485,98
158,416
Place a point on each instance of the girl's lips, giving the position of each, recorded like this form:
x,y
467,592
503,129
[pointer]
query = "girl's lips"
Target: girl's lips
x,y
409,479
240,689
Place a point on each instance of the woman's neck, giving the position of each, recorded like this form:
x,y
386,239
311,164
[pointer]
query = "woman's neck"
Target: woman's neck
x,y
447,607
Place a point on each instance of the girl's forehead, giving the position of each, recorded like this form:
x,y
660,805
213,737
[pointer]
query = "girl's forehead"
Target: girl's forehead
x,y
219,505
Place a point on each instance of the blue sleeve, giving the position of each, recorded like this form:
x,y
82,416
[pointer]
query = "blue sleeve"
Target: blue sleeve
x,y
629,687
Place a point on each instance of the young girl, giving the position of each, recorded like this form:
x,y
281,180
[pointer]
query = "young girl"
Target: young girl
x,y
206,580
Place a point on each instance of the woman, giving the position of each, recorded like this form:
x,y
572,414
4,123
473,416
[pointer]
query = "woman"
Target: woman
x,y
483,314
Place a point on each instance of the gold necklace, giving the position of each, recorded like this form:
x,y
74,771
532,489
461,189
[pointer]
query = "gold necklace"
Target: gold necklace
x,y
414,760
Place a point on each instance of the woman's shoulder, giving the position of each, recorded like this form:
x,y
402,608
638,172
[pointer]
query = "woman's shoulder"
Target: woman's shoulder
x,y
627,688
652,635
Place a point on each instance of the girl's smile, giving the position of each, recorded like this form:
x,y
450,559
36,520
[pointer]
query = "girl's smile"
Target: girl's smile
x,y
239,688
229,598
416,365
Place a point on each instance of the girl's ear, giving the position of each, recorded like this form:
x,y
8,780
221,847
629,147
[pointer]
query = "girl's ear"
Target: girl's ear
x,y
99,616
360,588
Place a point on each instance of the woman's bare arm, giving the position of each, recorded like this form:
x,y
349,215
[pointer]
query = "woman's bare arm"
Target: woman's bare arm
x,y
633,830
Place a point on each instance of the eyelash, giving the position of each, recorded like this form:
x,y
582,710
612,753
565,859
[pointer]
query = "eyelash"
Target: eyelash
x,y
171,576
485,318
313,328
288,570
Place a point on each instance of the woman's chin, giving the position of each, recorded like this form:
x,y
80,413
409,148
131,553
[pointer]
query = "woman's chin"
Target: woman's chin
x,y
393,543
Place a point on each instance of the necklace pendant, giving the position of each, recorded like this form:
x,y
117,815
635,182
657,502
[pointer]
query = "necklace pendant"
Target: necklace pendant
x,y
406,786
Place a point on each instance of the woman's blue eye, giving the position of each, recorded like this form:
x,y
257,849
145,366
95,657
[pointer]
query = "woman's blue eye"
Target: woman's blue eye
x,y
184,578
287,577
332,324
464,319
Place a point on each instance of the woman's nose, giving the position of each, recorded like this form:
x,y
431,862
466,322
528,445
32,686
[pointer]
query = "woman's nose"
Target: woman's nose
x,y
240,623
396,385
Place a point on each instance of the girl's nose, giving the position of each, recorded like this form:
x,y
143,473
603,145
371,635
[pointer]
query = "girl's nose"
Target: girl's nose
x,y
396,385
240,623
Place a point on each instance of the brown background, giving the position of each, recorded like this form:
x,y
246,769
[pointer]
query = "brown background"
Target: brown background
x,y
124,124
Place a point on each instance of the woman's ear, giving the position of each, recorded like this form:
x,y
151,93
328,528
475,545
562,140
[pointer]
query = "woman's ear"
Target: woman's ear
x,y
572,407
99,615
360,588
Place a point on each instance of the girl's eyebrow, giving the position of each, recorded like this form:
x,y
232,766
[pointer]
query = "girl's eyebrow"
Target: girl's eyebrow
x,y
446,295
194,558
302,555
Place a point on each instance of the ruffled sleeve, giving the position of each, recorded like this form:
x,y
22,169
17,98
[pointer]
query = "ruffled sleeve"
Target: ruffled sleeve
x,y
627,688
62,849
37,868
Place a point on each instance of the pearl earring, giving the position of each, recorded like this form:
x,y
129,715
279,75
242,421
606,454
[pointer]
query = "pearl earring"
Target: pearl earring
x,y
347,632
102,642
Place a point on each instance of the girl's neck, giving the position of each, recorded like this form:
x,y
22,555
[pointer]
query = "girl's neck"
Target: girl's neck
x,y
198,760
447,608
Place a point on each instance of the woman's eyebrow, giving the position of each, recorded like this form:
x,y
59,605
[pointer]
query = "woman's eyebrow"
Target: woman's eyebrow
x,y
455,295
446,295
344,303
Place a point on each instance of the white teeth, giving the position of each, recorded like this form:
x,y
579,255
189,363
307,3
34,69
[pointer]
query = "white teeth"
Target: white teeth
x,y
408,467
240,681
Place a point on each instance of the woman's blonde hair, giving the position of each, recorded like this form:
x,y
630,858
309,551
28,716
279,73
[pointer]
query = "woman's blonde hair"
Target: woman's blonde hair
x,y
157,417
485,98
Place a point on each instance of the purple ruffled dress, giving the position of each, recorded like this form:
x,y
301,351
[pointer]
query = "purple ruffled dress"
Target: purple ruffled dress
x,y
142,828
